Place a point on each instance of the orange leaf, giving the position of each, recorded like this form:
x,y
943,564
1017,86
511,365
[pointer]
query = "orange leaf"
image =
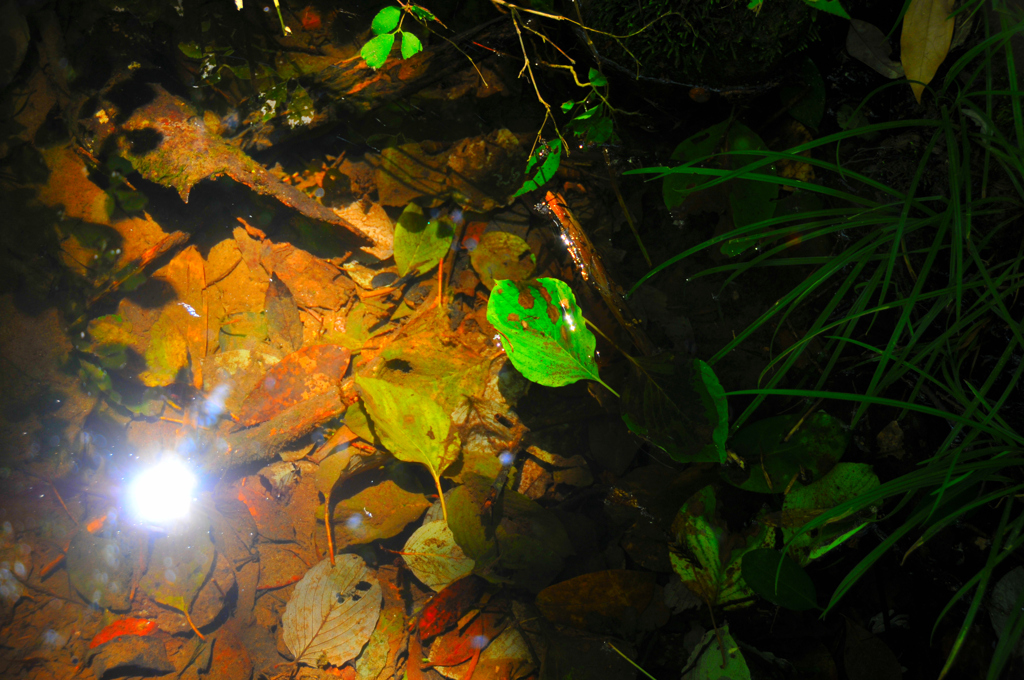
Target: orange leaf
x,y
924,42
123,627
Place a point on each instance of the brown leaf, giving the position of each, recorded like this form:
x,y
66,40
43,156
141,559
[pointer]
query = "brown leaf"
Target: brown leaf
x,y
866,43
310,372
283,323
925,40
597,601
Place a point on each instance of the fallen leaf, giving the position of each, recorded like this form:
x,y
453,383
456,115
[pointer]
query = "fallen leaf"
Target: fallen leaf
x,y
448,606
310,372
867,44
332,612
924,42
599,600
123,627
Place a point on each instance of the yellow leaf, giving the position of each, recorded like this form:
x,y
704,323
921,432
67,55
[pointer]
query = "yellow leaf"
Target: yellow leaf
x,y
924,43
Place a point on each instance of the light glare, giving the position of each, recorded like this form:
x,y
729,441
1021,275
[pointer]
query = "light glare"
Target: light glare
x,y
163,492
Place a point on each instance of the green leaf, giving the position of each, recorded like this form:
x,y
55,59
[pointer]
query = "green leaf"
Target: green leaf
x,y
751,201
679,406
190,50
812,450
543,331
705,662
597,79
412,427
411,45
677,186
386,21
844,482
551,154
794,589
830,6
376,51
420,243
805,98
706,556
421,13
300,108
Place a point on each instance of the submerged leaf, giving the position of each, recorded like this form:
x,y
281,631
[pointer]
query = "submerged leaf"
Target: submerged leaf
x,y
707,556
332,612
679,406
844,482
419,242
501,255
301,375
774,454
794,589
411,426
543,331
434,557
178,565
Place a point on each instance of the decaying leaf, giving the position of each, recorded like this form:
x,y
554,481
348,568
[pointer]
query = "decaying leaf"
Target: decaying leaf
x,y
707,556
332,611
599,600
924,42
300,376
179,565
432,554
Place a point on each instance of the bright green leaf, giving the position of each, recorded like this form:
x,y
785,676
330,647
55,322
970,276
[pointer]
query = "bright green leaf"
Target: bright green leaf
x,y
410,45
552,157
793,590
678,405
386,21
543,331
421,13
830,6
420,243
376,51
597,79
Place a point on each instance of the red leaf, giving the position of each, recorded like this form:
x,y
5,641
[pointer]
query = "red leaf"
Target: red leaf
x,y
449,605
123,627
300,376
456,647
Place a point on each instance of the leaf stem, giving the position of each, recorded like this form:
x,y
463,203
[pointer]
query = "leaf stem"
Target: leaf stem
x,y
631,662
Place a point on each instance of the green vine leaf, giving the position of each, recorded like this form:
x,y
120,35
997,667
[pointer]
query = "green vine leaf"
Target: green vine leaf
x,y
420,243
551,154
543,331
386,20
376,51
830,6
